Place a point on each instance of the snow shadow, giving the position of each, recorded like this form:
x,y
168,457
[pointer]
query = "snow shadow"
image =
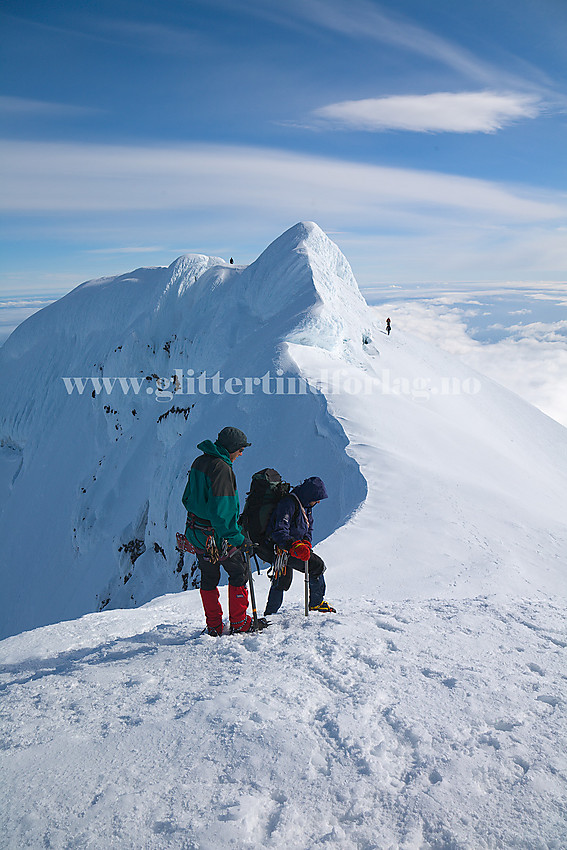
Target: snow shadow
x,y
111,651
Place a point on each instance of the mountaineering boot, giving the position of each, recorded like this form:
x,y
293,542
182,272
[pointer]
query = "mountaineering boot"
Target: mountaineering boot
x,y
213,611
323,607
212,632
240,621
260,624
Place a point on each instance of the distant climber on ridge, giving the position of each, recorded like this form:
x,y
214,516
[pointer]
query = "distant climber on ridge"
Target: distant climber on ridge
x,y
211,501
288,536
388,327
231,261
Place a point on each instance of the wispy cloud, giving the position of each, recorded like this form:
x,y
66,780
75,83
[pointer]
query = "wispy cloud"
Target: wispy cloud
x,y
367,20
364,19
153,36
17,303
440,112
127,249
56,177
393,223
25,106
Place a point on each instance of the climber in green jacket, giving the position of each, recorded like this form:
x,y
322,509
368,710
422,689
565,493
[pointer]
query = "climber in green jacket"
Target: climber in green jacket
x,y
211,493
213,509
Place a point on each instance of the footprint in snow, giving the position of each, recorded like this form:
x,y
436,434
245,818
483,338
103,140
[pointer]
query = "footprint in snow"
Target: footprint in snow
x,y
556,641
550,700
488,739
383,624
449,682
507,725
522,763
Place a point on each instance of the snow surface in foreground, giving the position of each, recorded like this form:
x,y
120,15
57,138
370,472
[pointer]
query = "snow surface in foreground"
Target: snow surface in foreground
x,y
431,725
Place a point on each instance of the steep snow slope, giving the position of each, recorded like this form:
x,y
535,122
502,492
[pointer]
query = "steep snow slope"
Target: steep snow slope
x,y
469,484
461,492
428,714
91,482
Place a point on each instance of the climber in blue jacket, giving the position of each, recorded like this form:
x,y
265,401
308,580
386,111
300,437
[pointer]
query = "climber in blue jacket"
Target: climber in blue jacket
x,y
290,529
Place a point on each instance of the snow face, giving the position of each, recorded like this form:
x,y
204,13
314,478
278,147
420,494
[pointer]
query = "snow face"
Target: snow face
x,y
92,484
427,714
450,492
467,490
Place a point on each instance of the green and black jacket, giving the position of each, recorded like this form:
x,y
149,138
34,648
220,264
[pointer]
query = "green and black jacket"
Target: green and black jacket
x,y
211,495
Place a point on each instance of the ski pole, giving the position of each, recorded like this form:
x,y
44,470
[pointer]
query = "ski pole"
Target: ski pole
x,y
306,588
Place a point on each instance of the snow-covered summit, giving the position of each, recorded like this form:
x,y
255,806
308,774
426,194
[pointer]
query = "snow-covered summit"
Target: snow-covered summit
x,y
91,478
305,268
441,482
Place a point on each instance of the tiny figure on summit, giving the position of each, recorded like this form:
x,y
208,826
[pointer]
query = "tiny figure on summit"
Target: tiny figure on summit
x,y
388,327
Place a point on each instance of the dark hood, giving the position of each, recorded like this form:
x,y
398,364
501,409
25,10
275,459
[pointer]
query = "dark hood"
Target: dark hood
x,y
312,490
214,449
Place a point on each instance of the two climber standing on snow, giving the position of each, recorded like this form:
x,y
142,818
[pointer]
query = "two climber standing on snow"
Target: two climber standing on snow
x,y
214,534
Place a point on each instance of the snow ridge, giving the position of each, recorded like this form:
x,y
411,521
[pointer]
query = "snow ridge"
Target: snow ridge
x,y
427,714
118,461
458,491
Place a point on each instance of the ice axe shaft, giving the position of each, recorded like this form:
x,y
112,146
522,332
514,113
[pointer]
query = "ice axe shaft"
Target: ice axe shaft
x,y
306,588
252,593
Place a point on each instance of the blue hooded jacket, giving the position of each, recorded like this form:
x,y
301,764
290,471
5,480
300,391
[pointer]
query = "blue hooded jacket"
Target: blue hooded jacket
x,y
292,518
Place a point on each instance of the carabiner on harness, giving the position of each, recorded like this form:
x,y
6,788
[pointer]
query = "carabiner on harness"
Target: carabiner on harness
x,y
279,567
211,550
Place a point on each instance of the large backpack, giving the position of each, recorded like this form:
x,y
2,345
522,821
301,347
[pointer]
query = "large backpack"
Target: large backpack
x,y
266,490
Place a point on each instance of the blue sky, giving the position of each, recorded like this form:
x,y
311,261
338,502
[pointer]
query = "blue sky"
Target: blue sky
x,y
427,138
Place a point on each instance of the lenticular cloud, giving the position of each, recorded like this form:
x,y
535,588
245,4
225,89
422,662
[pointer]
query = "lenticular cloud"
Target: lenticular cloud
x,y
441,112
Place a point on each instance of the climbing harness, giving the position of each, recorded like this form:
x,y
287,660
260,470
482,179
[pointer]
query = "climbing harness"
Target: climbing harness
x,y
211,551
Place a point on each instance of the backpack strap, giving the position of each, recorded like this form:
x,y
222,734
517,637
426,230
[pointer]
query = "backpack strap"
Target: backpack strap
x,y
298,509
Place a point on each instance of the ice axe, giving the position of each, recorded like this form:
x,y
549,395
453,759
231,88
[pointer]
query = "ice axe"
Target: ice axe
x,y
252,593
258,624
